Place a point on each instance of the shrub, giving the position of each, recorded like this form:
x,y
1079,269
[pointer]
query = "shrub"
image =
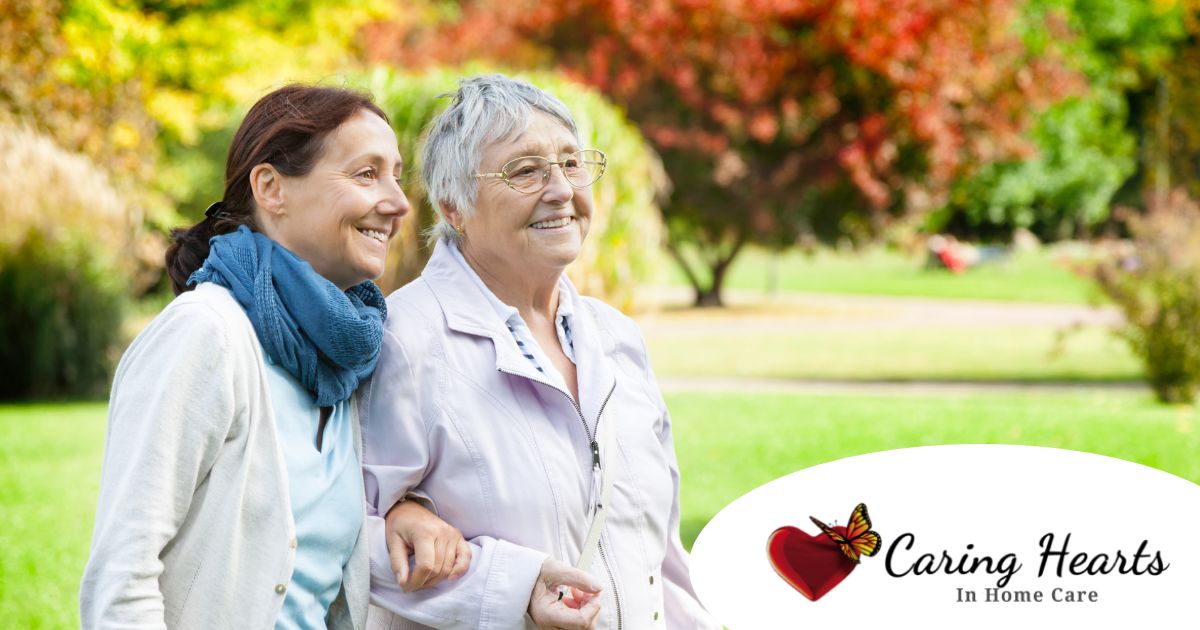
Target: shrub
x,y
623,247
61,321
1156,283
68,255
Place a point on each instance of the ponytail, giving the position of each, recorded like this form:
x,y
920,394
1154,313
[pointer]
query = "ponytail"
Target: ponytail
x,y
189,246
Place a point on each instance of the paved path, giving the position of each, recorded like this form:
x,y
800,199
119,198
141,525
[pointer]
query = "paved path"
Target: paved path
x,y
912,388
755,312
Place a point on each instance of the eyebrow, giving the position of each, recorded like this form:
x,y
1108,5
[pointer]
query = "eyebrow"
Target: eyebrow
x,y
376,158
536,149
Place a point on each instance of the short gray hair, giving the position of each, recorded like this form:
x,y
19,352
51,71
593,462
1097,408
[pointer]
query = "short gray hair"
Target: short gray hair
x,y
486,109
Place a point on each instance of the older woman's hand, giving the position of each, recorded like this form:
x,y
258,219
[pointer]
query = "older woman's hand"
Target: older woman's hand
x,y
441,552
577,609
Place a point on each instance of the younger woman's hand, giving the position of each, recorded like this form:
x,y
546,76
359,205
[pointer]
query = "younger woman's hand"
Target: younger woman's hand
x,y
440,550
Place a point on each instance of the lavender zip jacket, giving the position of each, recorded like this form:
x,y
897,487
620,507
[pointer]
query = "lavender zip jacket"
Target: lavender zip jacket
x,y
456,414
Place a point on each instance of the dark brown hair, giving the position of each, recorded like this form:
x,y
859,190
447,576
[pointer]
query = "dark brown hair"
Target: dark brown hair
x,y
285,129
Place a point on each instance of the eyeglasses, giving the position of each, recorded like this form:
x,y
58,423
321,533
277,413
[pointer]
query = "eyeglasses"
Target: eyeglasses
x,y
531,173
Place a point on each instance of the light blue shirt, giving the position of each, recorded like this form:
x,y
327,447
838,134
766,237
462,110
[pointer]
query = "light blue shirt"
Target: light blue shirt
x,y
326,493
523,337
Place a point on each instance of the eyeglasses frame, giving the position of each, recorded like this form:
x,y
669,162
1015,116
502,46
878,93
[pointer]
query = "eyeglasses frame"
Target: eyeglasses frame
x,y
546,180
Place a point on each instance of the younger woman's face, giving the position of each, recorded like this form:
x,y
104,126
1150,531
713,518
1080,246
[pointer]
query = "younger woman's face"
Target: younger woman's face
x,y
342,215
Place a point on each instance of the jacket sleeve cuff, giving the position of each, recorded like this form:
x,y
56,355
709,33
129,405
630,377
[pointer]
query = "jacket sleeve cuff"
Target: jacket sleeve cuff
x,y
422,499
494,594
514,570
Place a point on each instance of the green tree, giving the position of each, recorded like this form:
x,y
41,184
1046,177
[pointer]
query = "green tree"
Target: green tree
x,y
103,120
195,67
151,89
1089,146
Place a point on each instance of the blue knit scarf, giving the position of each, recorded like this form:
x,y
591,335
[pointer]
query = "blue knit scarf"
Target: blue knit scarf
x,y
328,339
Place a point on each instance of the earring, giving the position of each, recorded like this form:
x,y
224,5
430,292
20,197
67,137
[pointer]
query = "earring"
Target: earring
x,y
460,230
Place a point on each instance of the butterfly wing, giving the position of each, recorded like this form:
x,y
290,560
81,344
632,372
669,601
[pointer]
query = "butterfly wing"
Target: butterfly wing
x,y
867,544
842,542
859,521
837,538
859,535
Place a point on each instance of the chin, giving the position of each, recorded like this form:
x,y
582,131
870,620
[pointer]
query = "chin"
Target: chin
x,y
371,275
561,259
372,268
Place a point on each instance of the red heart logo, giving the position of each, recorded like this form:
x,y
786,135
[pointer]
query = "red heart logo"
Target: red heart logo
x,y
813,565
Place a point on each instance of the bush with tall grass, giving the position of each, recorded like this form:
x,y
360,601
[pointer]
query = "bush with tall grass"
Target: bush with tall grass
x,y
69,251
1156,283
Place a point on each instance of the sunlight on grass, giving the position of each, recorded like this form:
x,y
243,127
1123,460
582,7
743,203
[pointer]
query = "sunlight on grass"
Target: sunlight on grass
x,y
729,443
49,479
1038,276
991,353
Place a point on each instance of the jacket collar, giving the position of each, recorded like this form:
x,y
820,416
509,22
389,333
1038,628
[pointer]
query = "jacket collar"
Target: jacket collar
x,y
468,311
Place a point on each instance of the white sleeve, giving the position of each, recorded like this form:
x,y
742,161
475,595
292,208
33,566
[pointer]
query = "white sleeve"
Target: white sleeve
x,y
172,406
495,591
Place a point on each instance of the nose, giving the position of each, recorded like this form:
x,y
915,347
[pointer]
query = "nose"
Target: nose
x,y
557,190
395,202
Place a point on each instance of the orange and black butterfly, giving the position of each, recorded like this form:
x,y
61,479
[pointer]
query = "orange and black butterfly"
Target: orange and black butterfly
x,y
858,540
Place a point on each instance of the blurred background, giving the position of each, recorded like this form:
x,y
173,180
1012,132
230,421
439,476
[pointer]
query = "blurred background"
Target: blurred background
x,y
844,225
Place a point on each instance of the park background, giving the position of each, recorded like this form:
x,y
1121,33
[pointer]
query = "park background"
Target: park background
x,y
844,225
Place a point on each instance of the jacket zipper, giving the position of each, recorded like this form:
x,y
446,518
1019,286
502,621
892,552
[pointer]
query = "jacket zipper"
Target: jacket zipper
x,y
599,543
611,580
595,449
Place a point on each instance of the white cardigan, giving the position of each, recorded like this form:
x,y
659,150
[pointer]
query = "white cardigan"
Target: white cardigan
x,y
194,526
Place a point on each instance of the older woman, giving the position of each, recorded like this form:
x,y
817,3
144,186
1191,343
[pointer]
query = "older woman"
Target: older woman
x,y
526,413
232,494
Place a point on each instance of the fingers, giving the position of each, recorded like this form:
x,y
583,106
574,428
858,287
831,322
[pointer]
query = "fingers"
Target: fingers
x,y
398,551
447,550
578,610
591,612
438,549
554,615
462,560
556,573
427,561
577,598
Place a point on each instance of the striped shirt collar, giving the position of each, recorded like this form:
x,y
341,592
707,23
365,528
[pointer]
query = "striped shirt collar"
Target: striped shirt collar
x,y
563,320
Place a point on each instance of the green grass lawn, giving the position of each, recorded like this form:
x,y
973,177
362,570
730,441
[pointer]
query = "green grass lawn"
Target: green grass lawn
x,y
953,354
730,443
727,444
1037,276
49,477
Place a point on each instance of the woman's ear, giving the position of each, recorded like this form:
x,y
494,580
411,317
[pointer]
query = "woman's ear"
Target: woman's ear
x,y
453,216
267,185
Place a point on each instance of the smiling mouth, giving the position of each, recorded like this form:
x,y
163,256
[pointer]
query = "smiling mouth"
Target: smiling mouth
x,y
375,234
546,225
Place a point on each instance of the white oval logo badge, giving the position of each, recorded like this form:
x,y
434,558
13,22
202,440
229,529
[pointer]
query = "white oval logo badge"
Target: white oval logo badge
x,y
967,536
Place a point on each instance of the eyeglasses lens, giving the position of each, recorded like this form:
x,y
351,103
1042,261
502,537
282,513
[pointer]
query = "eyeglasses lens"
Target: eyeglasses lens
x,y
530,174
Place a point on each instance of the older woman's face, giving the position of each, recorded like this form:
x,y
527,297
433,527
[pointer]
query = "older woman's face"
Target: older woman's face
x,y
513,230
342,215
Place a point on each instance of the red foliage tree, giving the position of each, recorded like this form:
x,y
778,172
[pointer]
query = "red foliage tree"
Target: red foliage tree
x,y
779,120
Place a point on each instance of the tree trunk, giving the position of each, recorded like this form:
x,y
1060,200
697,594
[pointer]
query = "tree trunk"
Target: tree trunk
x,y
708,298
718,266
